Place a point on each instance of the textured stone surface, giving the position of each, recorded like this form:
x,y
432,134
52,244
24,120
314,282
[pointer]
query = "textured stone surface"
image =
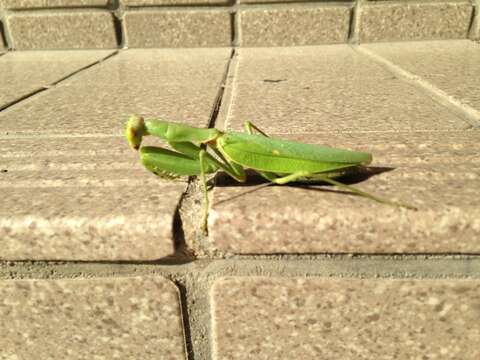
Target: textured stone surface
x,y
26,4
174,85
94,318
62,30
393,22
173,2
73,188
426,170
19,73
271,318
301,25
361,106
177,28
83,198
314,96
304,63
452,66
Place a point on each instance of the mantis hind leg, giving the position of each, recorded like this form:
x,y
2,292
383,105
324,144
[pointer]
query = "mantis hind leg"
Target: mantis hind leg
x,y
303,174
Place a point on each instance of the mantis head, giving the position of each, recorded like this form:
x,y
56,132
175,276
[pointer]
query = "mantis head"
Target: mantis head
x,y
135,130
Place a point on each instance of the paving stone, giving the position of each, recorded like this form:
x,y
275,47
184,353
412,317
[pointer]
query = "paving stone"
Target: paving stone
x,y
74,190
452,66
83,199
299,25
32,4
146,82
271,318
392,22
20,75
438,172
364,98
177,28
305,63
173,2
62,30
91,318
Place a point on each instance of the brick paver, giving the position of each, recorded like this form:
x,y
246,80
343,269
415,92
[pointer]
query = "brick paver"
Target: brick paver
x,y
91,318
270,318
73,188
368,108
20,75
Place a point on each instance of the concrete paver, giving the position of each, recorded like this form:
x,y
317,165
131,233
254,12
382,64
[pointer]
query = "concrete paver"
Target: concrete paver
x,y
91,318
34,4
309,97
385,21
300,25
74,190
426,143
62,30
83,199
269,318
140,3
177,28
101,99
436,172
20,74
452,66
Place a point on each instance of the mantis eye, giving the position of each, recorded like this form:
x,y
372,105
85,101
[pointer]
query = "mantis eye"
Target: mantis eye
x,y
134,131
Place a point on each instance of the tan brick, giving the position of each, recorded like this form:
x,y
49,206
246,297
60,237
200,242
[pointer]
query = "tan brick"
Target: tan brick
x,y
79,319
20,75
32,4
304,63
311,97
316,219
173,2
271,318
178,28
73,189
83,199
392,22
452,66
153,83
300,25
62,30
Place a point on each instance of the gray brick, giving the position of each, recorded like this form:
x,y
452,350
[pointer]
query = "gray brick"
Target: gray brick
x,y
298,25
393,22
312,318
88,318
62,30
178,28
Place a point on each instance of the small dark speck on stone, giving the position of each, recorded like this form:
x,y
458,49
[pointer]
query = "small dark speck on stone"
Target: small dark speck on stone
x,y
273,80
4,170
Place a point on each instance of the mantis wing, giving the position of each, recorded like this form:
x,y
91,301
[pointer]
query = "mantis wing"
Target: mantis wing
x,y
283,156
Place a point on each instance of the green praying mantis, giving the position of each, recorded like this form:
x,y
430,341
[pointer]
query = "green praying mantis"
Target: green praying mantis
x,y
198,151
